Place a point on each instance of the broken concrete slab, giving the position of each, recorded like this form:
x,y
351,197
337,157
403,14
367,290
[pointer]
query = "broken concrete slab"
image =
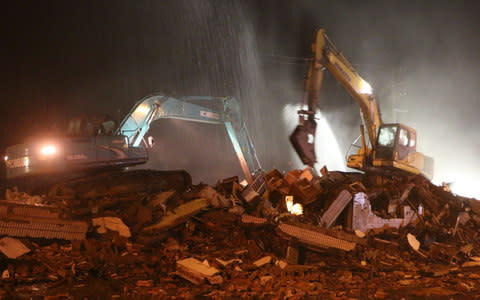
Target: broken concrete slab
x,y
293,176
413,242
263,261
12,248
292,254
215,199
38,221
313,238
304,191
113,224
281,264
392,206
179,215
254,190
336,208
159,200
265,279
308,174
225,263
249,219
197,272
364,219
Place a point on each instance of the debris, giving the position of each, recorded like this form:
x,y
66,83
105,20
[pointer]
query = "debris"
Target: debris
x,y
248,219
241,252
23,220
293,176
265,279
5,274
237,210
364,219
308,174
324,171
313,238
112,224
281,264
289,256
172,244
196,272
335,208
228,262
294,209
176,217
304,191
14,195
12,248
160,199
144,283
263,261
413,242
392,206
255,189
471,264
433,291
292,255
214,198
359,233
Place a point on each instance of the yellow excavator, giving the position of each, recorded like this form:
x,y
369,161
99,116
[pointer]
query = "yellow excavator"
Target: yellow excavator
x,y
389,146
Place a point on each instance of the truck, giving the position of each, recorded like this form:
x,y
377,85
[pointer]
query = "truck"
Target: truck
x,y
390,147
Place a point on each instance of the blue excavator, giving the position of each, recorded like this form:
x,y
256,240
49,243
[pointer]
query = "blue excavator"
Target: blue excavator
x,y
101,150
92,146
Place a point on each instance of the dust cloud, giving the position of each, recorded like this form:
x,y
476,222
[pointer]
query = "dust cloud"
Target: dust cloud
x,y
421,58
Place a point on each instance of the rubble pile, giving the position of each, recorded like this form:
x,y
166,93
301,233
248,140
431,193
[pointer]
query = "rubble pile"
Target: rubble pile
x,y
293,236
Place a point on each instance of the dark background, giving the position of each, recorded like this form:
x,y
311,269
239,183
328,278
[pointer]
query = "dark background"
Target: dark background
x,y
61,59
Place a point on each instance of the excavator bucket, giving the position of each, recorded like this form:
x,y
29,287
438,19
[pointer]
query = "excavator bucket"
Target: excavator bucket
x,y
303,141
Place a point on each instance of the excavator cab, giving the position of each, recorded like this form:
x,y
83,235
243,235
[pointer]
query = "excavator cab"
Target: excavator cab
x,y
396,146
395,141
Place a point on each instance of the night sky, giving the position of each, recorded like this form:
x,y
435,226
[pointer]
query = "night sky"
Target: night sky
x,y
61,59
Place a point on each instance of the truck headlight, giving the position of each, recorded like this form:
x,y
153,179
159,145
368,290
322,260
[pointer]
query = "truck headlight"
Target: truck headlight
x,y
48,150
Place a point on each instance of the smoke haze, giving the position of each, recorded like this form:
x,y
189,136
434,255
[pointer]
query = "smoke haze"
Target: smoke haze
x,y
62,59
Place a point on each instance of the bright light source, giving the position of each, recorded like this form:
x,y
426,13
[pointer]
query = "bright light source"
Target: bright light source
x,y
5,157
462,181
143,109
294,209
365,88
48,150
243,183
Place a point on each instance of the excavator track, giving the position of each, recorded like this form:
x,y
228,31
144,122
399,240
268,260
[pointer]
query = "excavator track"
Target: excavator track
x,y
117,183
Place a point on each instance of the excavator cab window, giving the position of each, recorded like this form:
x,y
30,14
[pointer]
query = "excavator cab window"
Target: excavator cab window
x,y
386,136
403,137
413,141
395,138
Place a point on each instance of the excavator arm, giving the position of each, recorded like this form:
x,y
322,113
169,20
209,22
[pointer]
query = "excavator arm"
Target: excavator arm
x,y
151,108
328,56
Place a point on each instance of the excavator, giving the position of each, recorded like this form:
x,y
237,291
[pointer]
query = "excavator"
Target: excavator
x,y
103,150
389,148
90,147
